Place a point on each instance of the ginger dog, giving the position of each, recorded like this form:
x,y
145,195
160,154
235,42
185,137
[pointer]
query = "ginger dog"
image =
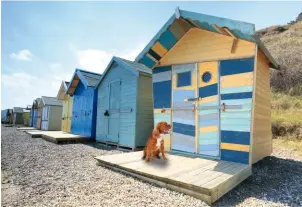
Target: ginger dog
x,y
155,142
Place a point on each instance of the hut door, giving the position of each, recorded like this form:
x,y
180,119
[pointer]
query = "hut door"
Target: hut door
x,y
208,109
195,106
184,93
113,111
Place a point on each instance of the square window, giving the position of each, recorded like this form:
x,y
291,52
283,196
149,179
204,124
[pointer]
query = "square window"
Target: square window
x,y
184,79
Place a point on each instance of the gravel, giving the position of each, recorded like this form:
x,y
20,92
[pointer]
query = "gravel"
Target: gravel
x,y
39,173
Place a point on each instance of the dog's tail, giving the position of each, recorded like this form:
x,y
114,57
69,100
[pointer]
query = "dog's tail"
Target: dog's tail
x,y
144,156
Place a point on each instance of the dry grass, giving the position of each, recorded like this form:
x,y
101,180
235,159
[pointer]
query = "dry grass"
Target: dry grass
x,y
287,116
285,44
292,145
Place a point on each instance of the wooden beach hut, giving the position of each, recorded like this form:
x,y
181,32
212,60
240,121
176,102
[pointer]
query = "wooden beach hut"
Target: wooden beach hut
x,y
18,116
67,106
124,107
51,115
83,89
211,81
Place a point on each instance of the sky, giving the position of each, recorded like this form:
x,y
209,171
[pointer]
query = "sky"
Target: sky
x,y
43,42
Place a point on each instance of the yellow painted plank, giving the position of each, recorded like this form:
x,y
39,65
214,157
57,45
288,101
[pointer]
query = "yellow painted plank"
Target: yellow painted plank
x,y
236,147
208,129
211,67
167,144
159,49
208,99
237,80
159,111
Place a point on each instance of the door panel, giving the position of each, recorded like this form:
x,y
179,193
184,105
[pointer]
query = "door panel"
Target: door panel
x,y
183,119
114,108
208,109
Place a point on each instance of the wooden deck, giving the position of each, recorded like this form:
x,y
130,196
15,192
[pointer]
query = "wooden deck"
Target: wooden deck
x,y
23,129
201,178
36,133
59,136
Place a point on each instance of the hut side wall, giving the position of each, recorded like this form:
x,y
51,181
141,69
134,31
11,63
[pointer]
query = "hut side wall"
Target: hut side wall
x,y
54,118
199,45
128,97
144,112
261,129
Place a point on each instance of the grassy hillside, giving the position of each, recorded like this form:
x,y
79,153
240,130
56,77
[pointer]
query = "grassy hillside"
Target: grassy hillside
x,y
285,44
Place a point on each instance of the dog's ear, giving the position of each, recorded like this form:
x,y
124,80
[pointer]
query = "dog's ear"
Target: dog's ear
x,y
156,129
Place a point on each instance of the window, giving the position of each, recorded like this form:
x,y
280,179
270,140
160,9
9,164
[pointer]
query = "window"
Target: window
x,y
206,77
184,79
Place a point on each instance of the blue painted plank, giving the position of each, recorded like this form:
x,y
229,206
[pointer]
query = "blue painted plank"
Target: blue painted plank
x,y
240,128
162,117
208,147
235,156
183,148
242,95
240,89
236,121
147,61
230,67
209,90
159,77
236,114
180,95
184,79
208,135
208,123
238,101
184,129
210,111
235,137
167,39
161,69
162,94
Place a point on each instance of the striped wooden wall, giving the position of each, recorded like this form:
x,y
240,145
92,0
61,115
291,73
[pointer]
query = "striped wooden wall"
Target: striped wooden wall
x,y
199,45
162,91
236,92
208,120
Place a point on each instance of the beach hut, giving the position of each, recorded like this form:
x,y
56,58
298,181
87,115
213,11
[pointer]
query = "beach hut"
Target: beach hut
x,y
34,112
5,116
17,115
124,107
211,81
26,116
83,89
11,116
51,115
67,106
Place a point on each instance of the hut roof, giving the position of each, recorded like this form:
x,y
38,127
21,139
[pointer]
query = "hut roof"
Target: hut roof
x,y
133,67
89,79
18,110
182,21
51,101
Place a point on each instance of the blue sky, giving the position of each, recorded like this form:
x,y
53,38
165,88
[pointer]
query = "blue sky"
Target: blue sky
x,y
43,42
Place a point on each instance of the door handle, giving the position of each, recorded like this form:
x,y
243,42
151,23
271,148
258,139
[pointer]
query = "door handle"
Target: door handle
x,y
106,113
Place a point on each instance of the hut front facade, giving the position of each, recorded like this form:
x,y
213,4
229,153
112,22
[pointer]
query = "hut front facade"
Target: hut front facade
x,y
18,115
211,82
67,106
124,106
51,113
82,88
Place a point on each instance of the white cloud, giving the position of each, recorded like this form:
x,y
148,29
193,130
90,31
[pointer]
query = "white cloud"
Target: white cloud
x,y
22,55
97,60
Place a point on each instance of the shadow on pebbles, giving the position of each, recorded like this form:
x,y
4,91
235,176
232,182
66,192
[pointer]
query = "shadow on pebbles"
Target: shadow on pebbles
x,y
39,173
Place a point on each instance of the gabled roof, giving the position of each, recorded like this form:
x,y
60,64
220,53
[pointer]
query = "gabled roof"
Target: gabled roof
x,y
18,109
182,21
50,101
62,91
133,67
89,79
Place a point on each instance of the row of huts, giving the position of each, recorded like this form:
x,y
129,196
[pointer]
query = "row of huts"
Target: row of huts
x,y
207,76
16,116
